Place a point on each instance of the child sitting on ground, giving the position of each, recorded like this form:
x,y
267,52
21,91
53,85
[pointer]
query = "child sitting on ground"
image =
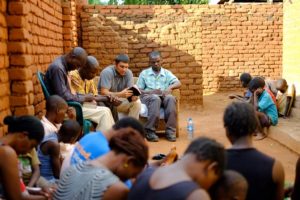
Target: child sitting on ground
x,y
245,79
49,149
231,186
265,108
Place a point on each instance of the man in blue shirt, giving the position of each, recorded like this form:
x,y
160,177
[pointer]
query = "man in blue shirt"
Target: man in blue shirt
x,y
156,84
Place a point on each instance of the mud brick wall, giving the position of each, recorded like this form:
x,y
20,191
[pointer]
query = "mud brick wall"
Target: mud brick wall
x,y
207,47
4,63
237,39
39,31
137,30
69,25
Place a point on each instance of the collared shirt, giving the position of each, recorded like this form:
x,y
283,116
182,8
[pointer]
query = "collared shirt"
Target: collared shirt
x,y
56,80
149,80
82,86
113,81
267,106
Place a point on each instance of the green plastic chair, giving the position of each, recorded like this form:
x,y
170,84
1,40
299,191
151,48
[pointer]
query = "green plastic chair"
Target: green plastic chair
x,y
84,123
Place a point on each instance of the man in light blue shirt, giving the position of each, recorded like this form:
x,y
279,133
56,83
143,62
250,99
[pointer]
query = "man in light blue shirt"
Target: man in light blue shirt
x,y
156,84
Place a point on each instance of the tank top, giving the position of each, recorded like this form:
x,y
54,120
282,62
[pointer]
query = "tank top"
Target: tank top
x,y
46,167
142,189
257,168
84,182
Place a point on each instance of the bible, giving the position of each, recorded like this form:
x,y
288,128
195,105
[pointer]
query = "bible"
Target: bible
x,y
135,92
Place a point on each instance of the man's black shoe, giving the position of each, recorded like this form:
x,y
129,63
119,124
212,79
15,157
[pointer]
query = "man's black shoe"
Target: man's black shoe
x,y
151,136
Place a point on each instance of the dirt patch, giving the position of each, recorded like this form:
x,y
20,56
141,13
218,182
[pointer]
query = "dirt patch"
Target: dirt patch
x,y
208,122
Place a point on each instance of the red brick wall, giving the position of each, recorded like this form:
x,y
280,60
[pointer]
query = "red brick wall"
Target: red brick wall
x,y
4,63
39,31
237,39
207,47
69,25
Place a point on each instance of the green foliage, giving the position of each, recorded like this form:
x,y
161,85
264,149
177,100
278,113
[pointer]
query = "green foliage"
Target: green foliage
x,y
146,2
163,2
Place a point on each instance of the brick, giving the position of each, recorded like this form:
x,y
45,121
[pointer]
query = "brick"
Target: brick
x,y
3,48
4,102
3,76
19,100
3,6
17,47
19,74
18,21
25,110
3,33
21,60
4,90
5,111
18,8
22,87
2,20
19,34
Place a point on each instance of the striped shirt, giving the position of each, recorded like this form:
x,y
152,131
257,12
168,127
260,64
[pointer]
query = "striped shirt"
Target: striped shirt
x,y
84,182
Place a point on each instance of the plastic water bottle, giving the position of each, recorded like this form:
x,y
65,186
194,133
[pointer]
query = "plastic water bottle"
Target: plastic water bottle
x,y
190,129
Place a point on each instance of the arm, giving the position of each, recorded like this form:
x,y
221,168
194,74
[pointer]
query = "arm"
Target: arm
x,y
255,101
53,150
198,194
59,82
123,94
174,85
278,177
35,175
9,173
116,191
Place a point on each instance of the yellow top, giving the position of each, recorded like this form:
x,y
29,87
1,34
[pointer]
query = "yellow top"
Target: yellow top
x,y
82,86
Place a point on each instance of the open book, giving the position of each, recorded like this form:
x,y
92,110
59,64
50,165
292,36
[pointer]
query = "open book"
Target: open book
x,y
135,90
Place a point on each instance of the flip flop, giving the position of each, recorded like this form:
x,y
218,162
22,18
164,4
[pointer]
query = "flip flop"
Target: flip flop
x,y
260,136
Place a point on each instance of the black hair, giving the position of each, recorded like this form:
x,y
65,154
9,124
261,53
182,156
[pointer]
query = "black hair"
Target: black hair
x,y
30,124
128,141
228,186
70,129
55,102
122,58
154,54
208,149
240,119
130,122
92,62
257,82
245,78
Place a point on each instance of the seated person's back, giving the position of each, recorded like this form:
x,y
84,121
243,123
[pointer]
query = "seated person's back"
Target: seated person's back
x,y
264,174
190,182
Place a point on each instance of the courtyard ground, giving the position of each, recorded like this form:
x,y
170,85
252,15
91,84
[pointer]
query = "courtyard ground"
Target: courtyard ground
x,y
208,122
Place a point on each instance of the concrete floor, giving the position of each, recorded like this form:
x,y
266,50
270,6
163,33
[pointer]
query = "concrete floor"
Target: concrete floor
x,y
208,122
